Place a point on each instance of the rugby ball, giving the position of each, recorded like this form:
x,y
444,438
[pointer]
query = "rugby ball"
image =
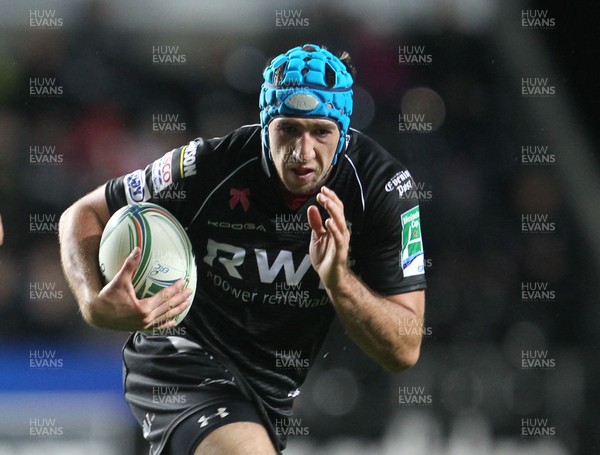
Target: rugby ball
x,y
165,248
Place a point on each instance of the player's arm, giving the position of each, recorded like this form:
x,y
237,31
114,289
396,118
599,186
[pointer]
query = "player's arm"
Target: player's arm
x,y
373,321
113,305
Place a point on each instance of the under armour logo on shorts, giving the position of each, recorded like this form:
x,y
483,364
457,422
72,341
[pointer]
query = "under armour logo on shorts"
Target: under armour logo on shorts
x,y
221,412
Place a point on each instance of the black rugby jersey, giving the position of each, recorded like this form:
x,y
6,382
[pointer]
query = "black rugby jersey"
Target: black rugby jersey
x,y
258,300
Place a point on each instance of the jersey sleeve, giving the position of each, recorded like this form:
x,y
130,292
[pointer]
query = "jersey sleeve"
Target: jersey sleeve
x,y
392,255
168,181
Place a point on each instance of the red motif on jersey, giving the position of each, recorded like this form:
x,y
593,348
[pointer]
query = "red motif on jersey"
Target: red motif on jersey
x,y
239,197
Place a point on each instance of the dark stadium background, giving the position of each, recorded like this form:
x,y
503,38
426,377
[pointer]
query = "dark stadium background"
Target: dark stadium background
x,y
470,392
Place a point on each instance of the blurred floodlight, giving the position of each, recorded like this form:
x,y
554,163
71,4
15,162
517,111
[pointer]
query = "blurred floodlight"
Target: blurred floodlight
x,y
424,103
335,392
364,108
244,67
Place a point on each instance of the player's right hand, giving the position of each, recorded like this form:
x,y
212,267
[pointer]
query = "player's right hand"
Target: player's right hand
x,y
117,307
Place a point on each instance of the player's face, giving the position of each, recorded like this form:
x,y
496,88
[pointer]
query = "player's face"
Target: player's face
x,y
303,150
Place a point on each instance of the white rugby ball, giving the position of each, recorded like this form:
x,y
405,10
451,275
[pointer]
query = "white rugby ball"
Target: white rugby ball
x,y
165,248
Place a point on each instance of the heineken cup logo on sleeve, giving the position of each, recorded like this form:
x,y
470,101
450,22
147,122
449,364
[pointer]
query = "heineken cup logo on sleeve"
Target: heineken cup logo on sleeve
x,y
412,255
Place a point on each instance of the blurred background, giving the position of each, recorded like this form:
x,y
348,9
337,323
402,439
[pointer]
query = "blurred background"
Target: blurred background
x,y
491,104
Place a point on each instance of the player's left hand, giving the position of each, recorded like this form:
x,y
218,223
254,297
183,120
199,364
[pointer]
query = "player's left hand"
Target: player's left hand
x,y
330,242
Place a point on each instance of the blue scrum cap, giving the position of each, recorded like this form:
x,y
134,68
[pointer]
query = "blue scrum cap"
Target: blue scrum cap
x,y
314,83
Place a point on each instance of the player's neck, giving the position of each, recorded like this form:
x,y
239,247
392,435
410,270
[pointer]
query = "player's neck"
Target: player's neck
x,y
294,201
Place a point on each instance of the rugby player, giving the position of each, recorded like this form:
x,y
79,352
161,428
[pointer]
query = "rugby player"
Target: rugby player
x,y
293,221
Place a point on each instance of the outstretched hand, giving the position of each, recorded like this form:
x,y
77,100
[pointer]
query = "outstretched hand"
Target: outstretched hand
x,y
117,307
330,241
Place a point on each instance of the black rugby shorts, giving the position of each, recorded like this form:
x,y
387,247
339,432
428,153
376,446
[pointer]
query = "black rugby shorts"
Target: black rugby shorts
x,y
179,392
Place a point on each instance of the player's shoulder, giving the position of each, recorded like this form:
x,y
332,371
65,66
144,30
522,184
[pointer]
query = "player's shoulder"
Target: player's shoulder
x,y
239,140
376,166
219,154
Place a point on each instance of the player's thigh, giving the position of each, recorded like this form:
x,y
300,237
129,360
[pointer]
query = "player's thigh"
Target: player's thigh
x,y
238,438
